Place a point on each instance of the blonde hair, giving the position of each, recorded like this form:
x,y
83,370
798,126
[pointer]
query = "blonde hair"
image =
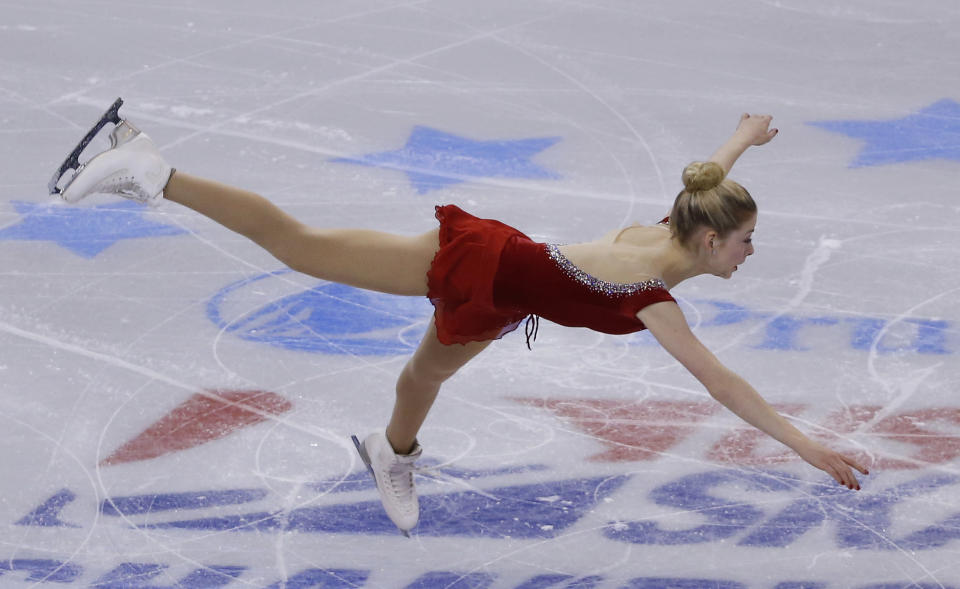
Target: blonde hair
x,y
709,200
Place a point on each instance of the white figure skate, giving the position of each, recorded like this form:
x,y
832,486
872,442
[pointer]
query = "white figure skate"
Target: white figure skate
x,y
132,167
393,474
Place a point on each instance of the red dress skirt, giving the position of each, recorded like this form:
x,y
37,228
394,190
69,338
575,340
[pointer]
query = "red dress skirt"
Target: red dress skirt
x,y
461,278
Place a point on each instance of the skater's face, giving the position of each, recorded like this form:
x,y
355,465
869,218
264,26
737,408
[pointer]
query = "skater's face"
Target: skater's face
x,y
729,252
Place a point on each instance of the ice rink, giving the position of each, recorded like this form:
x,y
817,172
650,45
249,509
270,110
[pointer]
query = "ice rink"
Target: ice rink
x,y
176,406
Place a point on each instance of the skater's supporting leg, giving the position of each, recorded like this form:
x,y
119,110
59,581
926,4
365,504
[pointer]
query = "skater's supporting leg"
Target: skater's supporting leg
x,y
367,259
419,383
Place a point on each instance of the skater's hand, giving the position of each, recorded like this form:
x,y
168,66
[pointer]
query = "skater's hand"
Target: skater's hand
x,y
752,130
835,464
755,129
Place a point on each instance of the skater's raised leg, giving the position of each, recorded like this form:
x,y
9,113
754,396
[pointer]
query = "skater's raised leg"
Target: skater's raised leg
x,y
134,168
374,260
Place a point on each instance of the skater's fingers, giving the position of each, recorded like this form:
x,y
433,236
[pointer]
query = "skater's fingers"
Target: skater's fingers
x,y
856,465
846,476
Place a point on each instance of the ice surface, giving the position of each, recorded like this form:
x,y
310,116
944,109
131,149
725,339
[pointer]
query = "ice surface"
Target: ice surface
x,y
176,406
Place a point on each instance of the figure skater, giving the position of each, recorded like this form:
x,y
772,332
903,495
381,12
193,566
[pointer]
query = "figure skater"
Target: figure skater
x,y
484,278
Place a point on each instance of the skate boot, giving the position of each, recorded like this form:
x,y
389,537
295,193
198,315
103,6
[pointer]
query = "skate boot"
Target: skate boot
x,y
132,167
393,474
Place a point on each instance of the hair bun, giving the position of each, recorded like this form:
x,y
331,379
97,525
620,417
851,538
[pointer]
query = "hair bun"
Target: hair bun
x,y
700,176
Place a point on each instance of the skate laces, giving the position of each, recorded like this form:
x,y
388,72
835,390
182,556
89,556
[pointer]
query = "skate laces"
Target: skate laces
x,y
396,479
399,485
435,473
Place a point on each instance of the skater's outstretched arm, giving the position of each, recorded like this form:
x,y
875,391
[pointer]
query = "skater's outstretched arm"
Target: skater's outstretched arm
x,y
666,322
367,259
751,130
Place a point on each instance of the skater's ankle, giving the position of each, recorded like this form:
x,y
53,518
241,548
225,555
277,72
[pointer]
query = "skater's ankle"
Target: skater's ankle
x,y
165,191
401,446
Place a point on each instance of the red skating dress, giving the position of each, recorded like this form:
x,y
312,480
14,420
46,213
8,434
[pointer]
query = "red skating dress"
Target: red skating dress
x,y
487,277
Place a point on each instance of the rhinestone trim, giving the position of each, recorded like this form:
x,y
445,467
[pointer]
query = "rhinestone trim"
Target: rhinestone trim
x,y
597,285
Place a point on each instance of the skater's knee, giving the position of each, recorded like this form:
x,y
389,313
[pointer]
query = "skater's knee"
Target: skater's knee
x,y
301,248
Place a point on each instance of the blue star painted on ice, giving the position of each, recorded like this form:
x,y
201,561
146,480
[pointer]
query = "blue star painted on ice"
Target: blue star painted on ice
x,y
932,133
434,159
86,231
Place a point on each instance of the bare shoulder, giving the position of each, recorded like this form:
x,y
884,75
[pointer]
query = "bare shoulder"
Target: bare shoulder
x,y
636,233
609,238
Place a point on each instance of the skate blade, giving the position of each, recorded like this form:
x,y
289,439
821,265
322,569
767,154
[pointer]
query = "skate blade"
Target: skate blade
x,y
364,456
366,460
73,160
